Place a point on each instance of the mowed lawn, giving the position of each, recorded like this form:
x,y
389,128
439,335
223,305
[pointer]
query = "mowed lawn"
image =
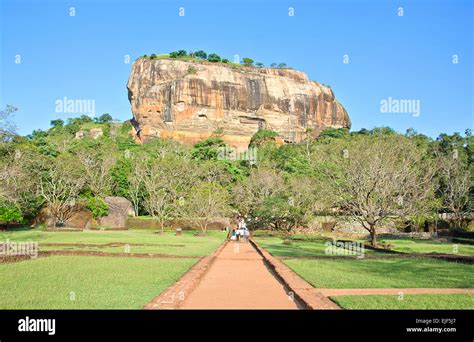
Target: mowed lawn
x,y
301,247
86,282
93,282
384,273
188,244
407,302
389,271
429,246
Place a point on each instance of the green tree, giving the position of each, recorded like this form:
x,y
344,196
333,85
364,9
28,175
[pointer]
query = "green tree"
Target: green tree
x,y
213,58
247,61
57,123
208,149
200,54
263,136
104,118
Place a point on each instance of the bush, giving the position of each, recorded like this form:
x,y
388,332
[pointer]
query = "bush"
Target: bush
x,y
97,206
10,213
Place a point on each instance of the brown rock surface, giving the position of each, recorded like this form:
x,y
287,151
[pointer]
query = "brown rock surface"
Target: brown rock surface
x,y
188,101
120,209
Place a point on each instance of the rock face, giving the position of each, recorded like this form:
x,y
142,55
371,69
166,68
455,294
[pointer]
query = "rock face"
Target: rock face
x,y
189,101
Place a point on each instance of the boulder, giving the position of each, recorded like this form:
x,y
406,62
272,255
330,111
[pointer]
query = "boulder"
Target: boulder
x,y
120,209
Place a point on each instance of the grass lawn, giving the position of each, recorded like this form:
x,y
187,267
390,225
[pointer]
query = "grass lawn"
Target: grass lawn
x,y
422,302
300,247
384,273
429,246
97,282
167,243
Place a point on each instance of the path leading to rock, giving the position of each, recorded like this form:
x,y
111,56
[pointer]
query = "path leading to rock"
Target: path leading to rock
x,y
239,279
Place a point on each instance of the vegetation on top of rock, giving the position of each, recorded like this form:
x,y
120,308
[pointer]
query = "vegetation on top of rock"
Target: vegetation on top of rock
x,y
212,57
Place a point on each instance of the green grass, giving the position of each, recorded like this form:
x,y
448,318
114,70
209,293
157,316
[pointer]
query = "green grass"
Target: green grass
x,y
384,273
97,282
300,247
429,246
421,302
186,244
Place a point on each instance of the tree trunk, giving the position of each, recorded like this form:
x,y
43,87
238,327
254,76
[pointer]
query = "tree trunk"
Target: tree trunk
x,y
373,236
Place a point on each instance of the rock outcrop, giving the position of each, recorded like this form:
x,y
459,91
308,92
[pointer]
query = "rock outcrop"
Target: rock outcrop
x,y
120,209
189,101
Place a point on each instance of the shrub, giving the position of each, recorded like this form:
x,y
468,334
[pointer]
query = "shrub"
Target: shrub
x,y
97,206
10,213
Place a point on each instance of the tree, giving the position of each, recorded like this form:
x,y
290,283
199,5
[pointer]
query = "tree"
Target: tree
x,y
200,54
205,202
225,60
181,53
104,118
164,181
263,136
173,54
455,185
273,65
247,61
259,65
98,159
213,58
282,65
59,183
57,123
7,127
373,179
260,185
208,149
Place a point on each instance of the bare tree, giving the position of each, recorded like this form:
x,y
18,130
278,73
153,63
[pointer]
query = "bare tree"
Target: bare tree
x,y
205,202
374,179
59,184
97,166
164,180
7,127
455,184
253,191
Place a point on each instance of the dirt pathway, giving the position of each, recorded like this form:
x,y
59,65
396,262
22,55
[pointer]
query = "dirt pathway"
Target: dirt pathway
x,y
239,279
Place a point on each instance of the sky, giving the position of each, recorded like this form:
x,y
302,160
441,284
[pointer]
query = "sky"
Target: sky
x,y
370,53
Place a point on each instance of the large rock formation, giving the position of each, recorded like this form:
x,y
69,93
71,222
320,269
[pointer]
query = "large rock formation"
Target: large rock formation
x,y
189,101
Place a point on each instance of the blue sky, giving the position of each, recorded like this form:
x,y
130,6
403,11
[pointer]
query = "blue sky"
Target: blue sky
x,y
402,57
